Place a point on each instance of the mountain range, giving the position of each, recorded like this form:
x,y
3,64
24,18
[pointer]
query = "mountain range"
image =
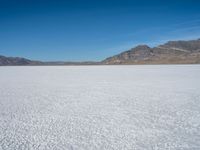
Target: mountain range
x,y
172,52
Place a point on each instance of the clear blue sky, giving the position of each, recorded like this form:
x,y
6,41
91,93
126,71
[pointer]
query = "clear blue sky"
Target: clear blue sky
x,y
79,30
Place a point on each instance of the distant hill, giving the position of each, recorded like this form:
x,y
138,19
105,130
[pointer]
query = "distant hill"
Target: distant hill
x,y
17,61
173,52
68,63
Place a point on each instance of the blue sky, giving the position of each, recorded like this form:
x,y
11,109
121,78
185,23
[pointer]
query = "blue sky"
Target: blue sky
x,y
79,30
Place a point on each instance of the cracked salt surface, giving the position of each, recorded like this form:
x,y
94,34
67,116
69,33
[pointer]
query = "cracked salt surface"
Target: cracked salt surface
x,y
100,107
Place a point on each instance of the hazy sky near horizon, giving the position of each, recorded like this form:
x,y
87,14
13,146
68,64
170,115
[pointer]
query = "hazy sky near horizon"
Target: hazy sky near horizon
x,y
79,30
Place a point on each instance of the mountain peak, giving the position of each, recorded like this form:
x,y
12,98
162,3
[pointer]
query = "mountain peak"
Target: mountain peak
x,y
142,47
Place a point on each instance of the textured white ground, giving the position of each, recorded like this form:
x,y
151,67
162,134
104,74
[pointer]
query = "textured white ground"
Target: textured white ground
x,y
100,107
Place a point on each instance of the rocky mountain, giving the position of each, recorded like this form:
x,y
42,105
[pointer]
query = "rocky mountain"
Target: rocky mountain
x,y
17,61
173,52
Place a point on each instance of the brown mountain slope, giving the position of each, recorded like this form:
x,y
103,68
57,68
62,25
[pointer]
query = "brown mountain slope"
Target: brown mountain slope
x,y
173,52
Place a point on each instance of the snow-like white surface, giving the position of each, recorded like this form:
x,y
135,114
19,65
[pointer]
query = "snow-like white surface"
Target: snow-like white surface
x,y
100,107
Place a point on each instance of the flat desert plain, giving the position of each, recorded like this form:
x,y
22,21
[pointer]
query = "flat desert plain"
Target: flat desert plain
x,y
143,107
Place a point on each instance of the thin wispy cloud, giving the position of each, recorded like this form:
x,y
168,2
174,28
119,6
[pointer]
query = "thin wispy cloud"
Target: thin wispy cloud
x,y
186,30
